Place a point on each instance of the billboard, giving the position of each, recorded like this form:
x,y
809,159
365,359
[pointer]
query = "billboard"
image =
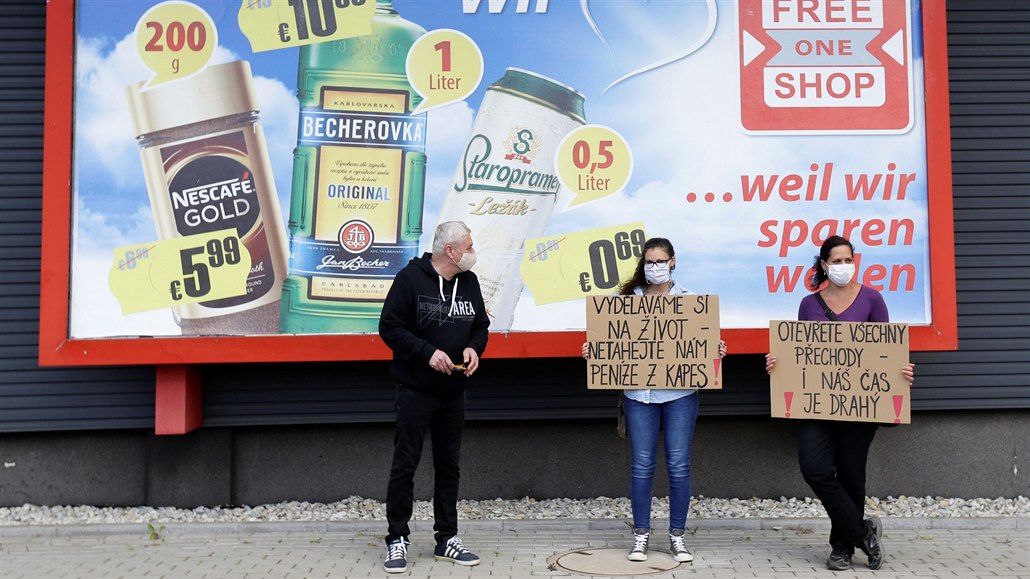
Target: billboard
x,y
234,180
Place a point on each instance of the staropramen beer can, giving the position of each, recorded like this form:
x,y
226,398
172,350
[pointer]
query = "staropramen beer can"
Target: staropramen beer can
x,y
505,186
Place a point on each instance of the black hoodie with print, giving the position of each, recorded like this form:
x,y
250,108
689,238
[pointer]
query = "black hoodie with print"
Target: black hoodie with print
x,y
424,313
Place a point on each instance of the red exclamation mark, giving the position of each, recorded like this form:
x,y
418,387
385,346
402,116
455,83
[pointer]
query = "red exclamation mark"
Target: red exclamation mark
x,y
899,401
717,362
788,397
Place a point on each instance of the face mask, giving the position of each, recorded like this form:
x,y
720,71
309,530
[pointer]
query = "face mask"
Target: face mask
x,y
840,274
658,274
467,261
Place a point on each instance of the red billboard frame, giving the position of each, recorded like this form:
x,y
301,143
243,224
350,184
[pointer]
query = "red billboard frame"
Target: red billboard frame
x,y
56,348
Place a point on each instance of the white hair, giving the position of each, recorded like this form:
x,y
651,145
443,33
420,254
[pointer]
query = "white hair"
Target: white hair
x,y
449,233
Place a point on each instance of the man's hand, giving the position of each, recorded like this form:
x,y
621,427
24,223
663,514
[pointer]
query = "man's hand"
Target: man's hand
x,y
471,361
441,362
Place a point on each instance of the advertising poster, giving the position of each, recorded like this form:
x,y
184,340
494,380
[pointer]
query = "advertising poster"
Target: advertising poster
x,y
264,167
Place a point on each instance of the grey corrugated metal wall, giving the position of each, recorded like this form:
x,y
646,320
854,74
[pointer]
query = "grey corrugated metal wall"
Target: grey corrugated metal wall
x,y
989,52
32,398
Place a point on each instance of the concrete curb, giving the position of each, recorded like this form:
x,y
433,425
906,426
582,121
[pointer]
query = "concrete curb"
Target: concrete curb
x,y
377,527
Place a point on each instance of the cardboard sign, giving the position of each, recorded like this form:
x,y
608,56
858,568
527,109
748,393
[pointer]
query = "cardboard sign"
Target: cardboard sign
x,y
845,371
668,342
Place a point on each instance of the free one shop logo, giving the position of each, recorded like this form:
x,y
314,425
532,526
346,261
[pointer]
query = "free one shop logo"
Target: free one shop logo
x,y
825,66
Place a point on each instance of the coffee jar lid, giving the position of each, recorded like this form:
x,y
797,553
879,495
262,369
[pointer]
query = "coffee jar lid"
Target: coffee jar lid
x,y
217,91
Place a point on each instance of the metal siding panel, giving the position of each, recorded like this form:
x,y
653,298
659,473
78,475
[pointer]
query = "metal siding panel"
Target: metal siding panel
x,y
32,398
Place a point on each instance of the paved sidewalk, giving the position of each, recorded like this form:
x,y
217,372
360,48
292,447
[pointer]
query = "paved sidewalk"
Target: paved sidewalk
x,y
724,549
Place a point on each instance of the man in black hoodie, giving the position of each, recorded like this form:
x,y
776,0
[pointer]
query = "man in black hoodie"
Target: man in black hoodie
x,y
436,324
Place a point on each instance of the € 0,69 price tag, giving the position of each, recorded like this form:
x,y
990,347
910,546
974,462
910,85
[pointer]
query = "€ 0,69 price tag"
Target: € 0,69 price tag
x,y
186,270
585,263
272,24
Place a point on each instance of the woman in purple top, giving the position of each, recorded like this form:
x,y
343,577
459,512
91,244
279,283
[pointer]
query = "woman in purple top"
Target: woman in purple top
x,y
833,454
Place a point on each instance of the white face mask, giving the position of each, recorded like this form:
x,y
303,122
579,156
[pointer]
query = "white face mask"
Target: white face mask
x,y
840,274
657,274
467,261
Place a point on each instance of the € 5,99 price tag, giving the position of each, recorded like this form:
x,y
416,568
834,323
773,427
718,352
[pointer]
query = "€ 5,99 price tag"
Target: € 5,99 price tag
x,y
197,268
574,265
272,24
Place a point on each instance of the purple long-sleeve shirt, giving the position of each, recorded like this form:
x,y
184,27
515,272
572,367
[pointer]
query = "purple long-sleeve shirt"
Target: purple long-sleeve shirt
x,y
867,307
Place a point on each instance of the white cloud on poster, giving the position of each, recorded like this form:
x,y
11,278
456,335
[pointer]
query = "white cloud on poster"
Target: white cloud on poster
x,y
447,133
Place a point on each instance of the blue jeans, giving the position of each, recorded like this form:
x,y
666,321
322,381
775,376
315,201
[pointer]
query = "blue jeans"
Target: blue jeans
x,y
642,422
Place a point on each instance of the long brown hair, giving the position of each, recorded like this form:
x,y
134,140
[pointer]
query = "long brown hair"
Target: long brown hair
x,y
638,279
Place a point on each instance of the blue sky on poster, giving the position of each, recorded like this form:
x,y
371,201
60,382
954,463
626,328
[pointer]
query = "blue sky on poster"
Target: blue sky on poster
x,y
681,121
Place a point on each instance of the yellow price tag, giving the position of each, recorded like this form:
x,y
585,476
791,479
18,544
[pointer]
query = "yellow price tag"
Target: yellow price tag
x,y
273,24
584,263
593,162
444,66
175,39
198,268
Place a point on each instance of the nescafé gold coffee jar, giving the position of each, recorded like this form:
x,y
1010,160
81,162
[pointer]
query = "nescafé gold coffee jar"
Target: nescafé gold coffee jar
x,y
206,166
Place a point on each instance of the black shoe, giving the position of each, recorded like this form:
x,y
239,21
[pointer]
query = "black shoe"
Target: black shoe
x,y
872,544
453,551
396,556
840,559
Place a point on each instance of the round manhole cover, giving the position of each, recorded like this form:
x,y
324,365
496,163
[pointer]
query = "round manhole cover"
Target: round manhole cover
x,y
611,562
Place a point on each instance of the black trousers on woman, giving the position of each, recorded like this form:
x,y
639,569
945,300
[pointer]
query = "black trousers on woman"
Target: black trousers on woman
x,y
443,415
833,456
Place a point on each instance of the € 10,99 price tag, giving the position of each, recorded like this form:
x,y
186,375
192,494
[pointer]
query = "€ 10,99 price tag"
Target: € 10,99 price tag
x,y
574,265
272,24
186,270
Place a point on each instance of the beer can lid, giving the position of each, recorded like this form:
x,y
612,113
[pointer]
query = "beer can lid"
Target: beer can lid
x,y
217,91
542,90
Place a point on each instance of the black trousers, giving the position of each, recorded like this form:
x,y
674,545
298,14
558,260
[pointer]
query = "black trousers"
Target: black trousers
x,y
833,456
443,415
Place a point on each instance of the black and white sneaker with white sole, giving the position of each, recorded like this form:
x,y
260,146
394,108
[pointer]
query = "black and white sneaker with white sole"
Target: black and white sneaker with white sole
x,y
396,556
454,552
639,550
678,547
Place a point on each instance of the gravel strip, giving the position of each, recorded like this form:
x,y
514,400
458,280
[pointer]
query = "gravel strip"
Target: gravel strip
x,y
362,509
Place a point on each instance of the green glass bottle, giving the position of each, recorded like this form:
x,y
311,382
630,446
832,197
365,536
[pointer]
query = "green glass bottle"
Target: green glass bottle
x,y
358,179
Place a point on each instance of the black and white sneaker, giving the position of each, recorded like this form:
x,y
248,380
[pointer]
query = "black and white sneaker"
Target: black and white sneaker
x,y
396,556
455,552
678,548
639,550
